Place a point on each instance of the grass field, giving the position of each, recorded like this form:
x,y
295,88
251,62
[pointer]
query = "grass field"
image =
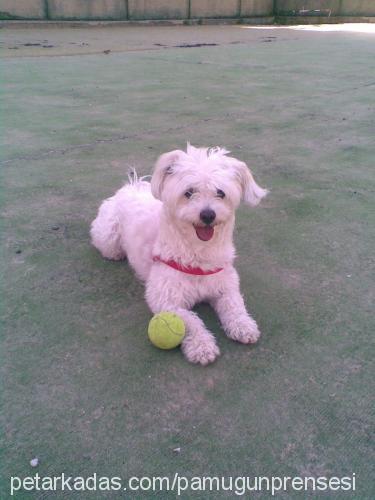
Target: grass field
x,y
82,388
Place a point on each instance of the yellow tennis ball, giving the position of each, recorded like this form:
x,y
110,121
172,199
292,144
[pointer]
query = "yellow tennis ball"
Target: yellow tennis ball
x,y
166,330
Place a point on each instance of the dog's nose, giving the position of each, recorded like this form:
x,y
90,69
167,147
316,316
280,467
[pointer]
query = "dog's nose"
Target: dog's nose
x,y
207,216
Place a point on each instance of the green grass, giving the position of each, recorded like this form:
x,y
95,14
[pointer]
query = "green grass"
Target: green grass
x,y
83,389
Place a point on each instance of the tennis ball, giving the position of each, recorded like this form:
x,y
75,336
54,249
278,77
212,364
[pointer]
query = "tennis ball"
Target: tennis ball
x,y
166,330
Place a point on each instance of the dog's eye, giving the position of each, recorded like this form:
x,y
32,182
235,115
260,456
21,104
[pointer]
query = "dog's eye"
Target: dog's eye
x,y
220,193
189,193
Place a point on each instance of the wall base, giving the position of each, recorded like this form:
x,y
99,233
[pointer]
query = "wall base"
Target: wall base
x,y
293,20
254,21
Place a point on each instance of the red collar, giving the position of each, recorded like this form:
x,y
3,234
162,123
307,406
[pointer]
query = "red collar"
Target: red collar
x,y
197,271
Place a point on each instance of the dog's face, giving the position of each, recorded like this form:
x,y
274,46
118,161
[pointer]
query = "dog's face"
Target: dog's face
x,y
202,188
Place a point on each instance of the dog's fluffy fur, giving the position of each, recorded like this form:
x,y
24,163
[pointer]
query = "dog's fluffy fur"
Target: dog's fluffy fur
x,y
163,218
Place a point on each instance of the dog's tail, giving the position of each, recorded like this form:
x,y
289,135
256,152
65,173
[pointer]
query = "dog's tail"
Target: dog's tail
x,y
134,179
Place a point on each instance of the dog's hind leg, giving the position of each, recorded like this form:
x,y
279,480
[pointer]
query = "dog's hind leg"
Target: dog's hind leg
x,y
105,231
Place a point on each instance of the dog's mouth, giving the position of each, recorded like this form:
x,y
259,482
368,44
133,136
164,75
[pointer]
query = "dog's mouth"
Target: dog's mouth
x,y
204,233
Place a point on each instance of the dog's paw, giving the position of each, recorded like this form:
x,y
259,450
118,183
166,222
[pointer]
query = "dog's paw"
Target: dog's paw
x,y
244,330
202,350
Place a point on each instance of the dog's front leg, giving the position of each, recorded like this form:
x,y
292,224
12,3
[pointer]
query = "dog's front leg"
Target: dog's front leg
x,y
199,345
235,320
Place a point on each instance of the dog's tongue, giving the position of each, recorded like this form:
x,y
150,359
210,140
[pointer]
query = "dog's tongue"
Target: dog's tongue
x,y
204,233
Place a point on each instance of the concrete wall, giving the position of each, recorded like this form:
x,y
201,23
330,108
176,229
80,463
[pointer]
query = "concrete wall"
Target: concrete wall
x,y
358,7
158,9
32,9
290,6
174,9
214,8
87,9
337,7
134,9
256,8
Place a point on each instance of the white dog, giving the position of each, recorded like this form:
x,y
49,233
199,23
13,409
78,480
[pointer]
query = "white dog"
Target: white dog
x,y
176,233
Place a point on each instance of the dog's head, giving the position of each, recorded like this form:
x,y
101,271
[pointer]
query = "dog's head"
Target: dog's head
x,y
201,188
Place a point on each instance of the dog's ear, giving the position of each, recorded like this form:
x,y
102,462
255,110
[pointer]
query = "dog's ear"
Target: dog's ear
x,y
164,167
251,192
